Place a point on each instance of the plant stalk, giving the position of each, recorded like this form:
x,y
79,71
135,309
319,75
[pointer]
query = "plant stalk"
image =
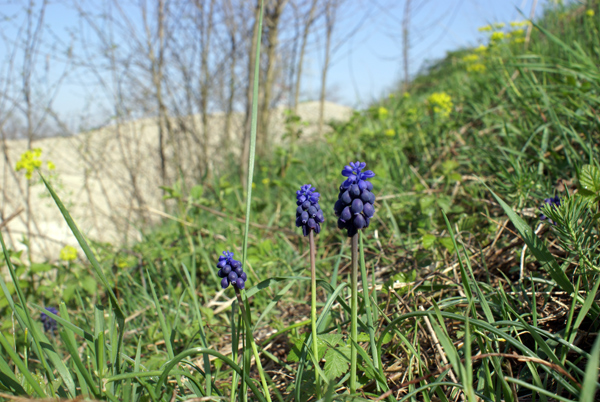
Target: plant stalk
x,y
253,344
313,309
354,314
367,300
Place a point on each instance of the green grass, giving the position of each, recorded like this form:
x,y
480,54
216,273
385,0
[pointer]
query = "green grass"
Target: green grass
x,y
463,292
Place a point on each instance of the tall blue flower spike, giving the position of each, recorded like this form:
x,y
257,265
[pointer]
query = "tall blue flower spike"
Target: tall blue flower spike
x,y
231,271
309,215
354,207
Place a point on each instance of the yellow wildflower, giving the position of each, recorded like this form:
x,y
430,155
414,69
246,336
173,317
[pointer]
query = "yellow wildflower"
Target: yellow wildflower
x,y
68,253
440,103
518,32
499,25
51,165
406,95
30,160
486,28
476,68
481,49
383,112
590,13
266,181
519,40
390,132
470,58
497,36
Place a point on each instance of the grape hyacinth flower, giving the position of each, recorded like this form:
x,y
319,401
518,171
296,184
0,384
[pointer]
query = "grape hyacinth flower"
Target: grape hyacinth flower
x,y
553,202
231,271
309,215
49,322
354,206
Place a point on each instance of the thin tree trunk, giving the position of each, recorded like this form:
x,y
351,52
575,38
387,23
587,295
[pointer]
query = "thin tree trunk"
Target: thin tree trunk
x,y
405,45
330,20
307,26
204,85
273,17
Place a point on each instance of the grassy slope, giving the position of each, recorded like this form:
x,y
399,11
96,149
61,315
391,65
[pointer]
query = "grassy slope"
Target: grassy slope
x,y
525,126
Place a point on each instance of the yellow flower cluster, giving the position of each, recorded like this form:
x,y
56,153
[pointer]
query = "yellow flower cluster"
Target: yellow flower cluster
x,y
516,24
590,13
476,68
499,25
473,63
30,160
486,28
440,103
68,253
390,132
497,36
470,58
383,113
481,49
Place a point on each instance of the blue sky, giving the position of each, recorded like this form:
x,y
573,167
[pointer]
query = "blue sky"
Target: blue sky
x,y
368,65
364,67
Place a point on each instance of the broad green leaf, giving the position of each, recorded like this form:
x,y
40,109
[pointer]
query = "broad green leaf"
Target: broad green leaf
x,y
337,361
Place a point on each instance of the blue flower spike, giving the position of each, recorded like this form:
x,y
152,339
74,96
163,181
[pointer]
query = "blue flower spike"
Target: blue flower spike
x,y
354,207
231,271
309,215
554,202
49,322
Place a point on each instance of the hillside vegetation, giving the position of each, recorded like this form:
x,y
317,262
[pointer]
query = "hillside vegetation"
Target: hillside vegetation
x,y
471,295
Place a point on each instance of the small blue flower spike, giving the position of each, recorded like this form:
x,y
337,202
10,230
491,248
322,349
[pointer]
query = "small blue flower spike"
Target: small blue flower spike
x,y
553,202
49,322
309,215
231,271
354,207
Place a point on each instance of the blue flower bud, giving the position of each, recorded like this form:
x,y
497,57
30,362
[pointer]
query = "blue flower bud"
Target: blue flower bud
x,y
368,210
226,269
346,214
239,271
235,263
221,274
230,271
299,210
312,211
224,283
357,206
359,221
346,198
354,191
319,216
240,283
306,205
221,263
301,199
369,186
311,223
304,217
339,207
341,224
362,185
244,276
232,276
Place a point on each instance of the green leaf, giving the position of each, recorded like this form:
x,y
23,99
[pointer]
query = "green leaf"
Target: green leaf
x,y
337,361
589,182
428,241
589,387
37,268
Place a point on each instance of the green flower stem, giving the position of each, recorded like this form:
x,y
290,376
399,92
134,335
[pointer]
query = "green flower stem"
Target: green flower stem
x,y
313,309
354,314
367,300
253,344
